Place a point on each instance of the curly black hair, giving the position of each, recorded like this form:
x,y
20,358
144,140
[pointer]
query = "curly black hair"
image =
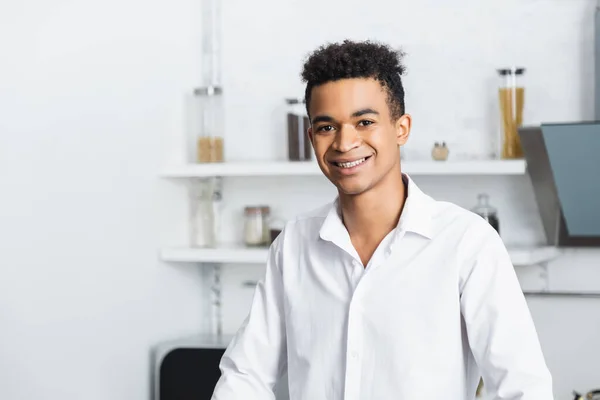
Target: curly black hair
x,y
335,61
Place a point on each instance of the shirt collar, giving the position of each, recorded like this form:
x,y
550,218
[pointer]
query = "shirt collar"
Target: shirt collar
x,y
416,217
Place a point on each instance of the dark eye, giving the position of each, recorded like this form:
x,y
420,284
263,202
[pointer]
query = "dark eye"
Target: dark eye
x,y
365,122
325,128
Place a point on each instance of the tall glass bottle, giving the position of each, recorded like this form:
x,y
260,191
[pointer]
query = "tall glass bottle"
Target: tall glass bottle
x,y
203,214
209,97
486,211
511,97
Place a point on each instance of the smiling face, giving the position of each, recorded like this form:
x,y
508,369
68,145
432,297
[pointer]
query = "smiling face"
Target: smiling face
x,y
353,134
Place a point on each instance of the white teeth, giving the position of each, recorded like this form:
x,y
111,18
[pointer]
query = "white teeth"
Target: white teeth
x,y
351,163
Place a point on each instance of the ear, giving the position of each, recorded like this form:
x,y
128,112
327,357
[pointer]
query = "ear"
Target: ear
x,y
403,125
309,131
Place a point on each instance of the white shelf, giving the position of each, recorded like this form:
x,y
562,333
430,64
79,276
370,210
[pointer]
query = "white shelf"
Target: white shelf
x,y
243,255
310,168
225,254
522,256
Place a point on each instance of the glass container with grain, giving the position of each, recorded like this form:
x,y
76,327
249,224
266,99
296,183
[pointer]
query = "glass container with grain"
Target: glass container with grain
x,y
209,136
511,97
299,146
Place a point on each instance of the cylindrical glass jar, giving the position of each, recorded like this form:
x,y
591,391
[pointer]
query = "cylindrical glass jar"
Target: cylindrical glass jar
x,y
299,147
209,137
486,211
203,218
256,226
511,97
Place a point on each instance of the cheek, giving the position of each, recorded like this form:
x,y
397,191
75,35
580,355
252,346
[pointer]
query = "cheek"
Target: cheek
x,y
385,144
320,145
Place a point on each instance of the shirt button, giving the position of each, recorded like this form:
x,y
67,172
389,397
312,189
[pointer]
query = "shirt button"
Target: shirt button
x,y
354,355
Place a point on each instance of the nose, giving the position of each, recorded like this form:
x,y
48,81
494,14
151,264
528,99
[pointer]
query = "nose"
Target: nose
x,y
346,139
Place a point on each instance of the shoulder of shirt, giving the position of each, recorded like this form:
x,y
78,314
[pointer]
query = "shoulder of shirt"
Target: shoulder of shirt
x,y
319,214
302,227
308,221
445,215
469,230
473,234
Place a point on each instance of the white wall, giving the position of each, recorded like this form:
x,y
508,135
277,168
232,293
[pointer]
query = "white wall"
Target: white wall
x,y
93,103
89,92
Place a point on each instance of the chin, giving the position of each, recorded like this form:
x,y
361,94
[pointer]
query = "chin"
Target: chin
x,y
351,188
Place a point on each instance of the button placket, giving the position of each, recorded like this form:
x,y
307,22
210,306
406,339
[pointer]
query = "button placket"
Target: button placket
x,y
354,349
357,272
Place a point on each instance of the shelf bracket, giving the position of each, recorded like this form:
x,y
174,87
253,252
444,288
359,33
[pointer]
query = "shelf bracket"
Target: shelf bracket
x,y
216,300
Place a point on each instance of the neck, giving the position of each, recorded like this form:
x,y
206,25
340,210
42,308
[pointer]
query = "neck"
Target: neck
x,y
375,213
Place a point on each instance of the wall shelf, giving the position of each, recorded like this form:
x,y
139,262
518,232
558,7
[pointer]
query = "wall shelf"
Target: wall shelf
x,y
522,256
221,255
243,255
310,168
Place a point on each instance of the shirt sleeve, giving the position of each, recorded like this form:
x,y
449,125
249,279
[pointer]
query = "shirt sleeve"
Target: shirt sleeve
x,y
256,357
499,326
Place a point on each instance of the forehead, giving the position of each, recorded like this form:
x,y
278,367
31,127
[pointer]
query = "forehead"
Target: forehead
x,y
343,97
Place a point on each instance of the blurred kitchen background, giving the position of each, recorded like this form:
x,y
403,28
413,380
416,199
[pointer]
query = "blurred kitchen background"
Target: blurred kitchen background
x,y
149,148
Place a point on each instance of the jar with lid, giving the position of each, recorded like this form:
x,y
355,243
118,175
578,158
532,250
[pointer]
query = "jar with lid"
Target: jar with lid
x,y
209,136
256,226
486,211
299,147
511,97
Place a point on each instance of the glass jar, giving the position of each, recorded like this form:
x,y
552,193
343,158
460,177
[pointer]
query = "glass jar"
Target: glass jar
x,y
203,218
209,137
486,211
217,206
511,97
276,225
299,147
256,226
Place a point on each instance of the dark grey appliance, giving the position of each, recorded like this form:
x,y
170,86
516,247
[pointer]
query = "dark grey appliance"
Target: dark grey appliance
x,y
188,369
597,59
563,162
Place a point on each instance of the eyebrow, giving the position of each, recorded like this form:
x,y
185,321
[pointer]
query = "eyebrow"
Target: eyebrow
x,y
359,113
322,118
364,111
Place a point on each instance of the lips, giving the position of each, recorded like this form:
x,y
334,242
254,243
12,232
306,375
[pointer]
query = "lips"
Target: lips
x,y
350,163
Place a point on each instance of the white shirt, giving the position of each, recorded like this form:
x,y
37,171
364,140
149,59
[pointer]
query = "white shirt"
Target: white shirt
x,y
437,306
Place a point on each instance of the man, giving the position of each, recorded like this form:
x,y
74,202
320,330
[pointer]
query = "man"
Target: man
x,y
386,293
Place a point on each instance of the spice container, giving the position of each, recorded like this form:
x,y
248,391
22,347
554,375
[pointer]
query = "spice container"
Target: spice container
x,y
256,226
299,147
209,137
486,211
511,97
203,218
440,152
